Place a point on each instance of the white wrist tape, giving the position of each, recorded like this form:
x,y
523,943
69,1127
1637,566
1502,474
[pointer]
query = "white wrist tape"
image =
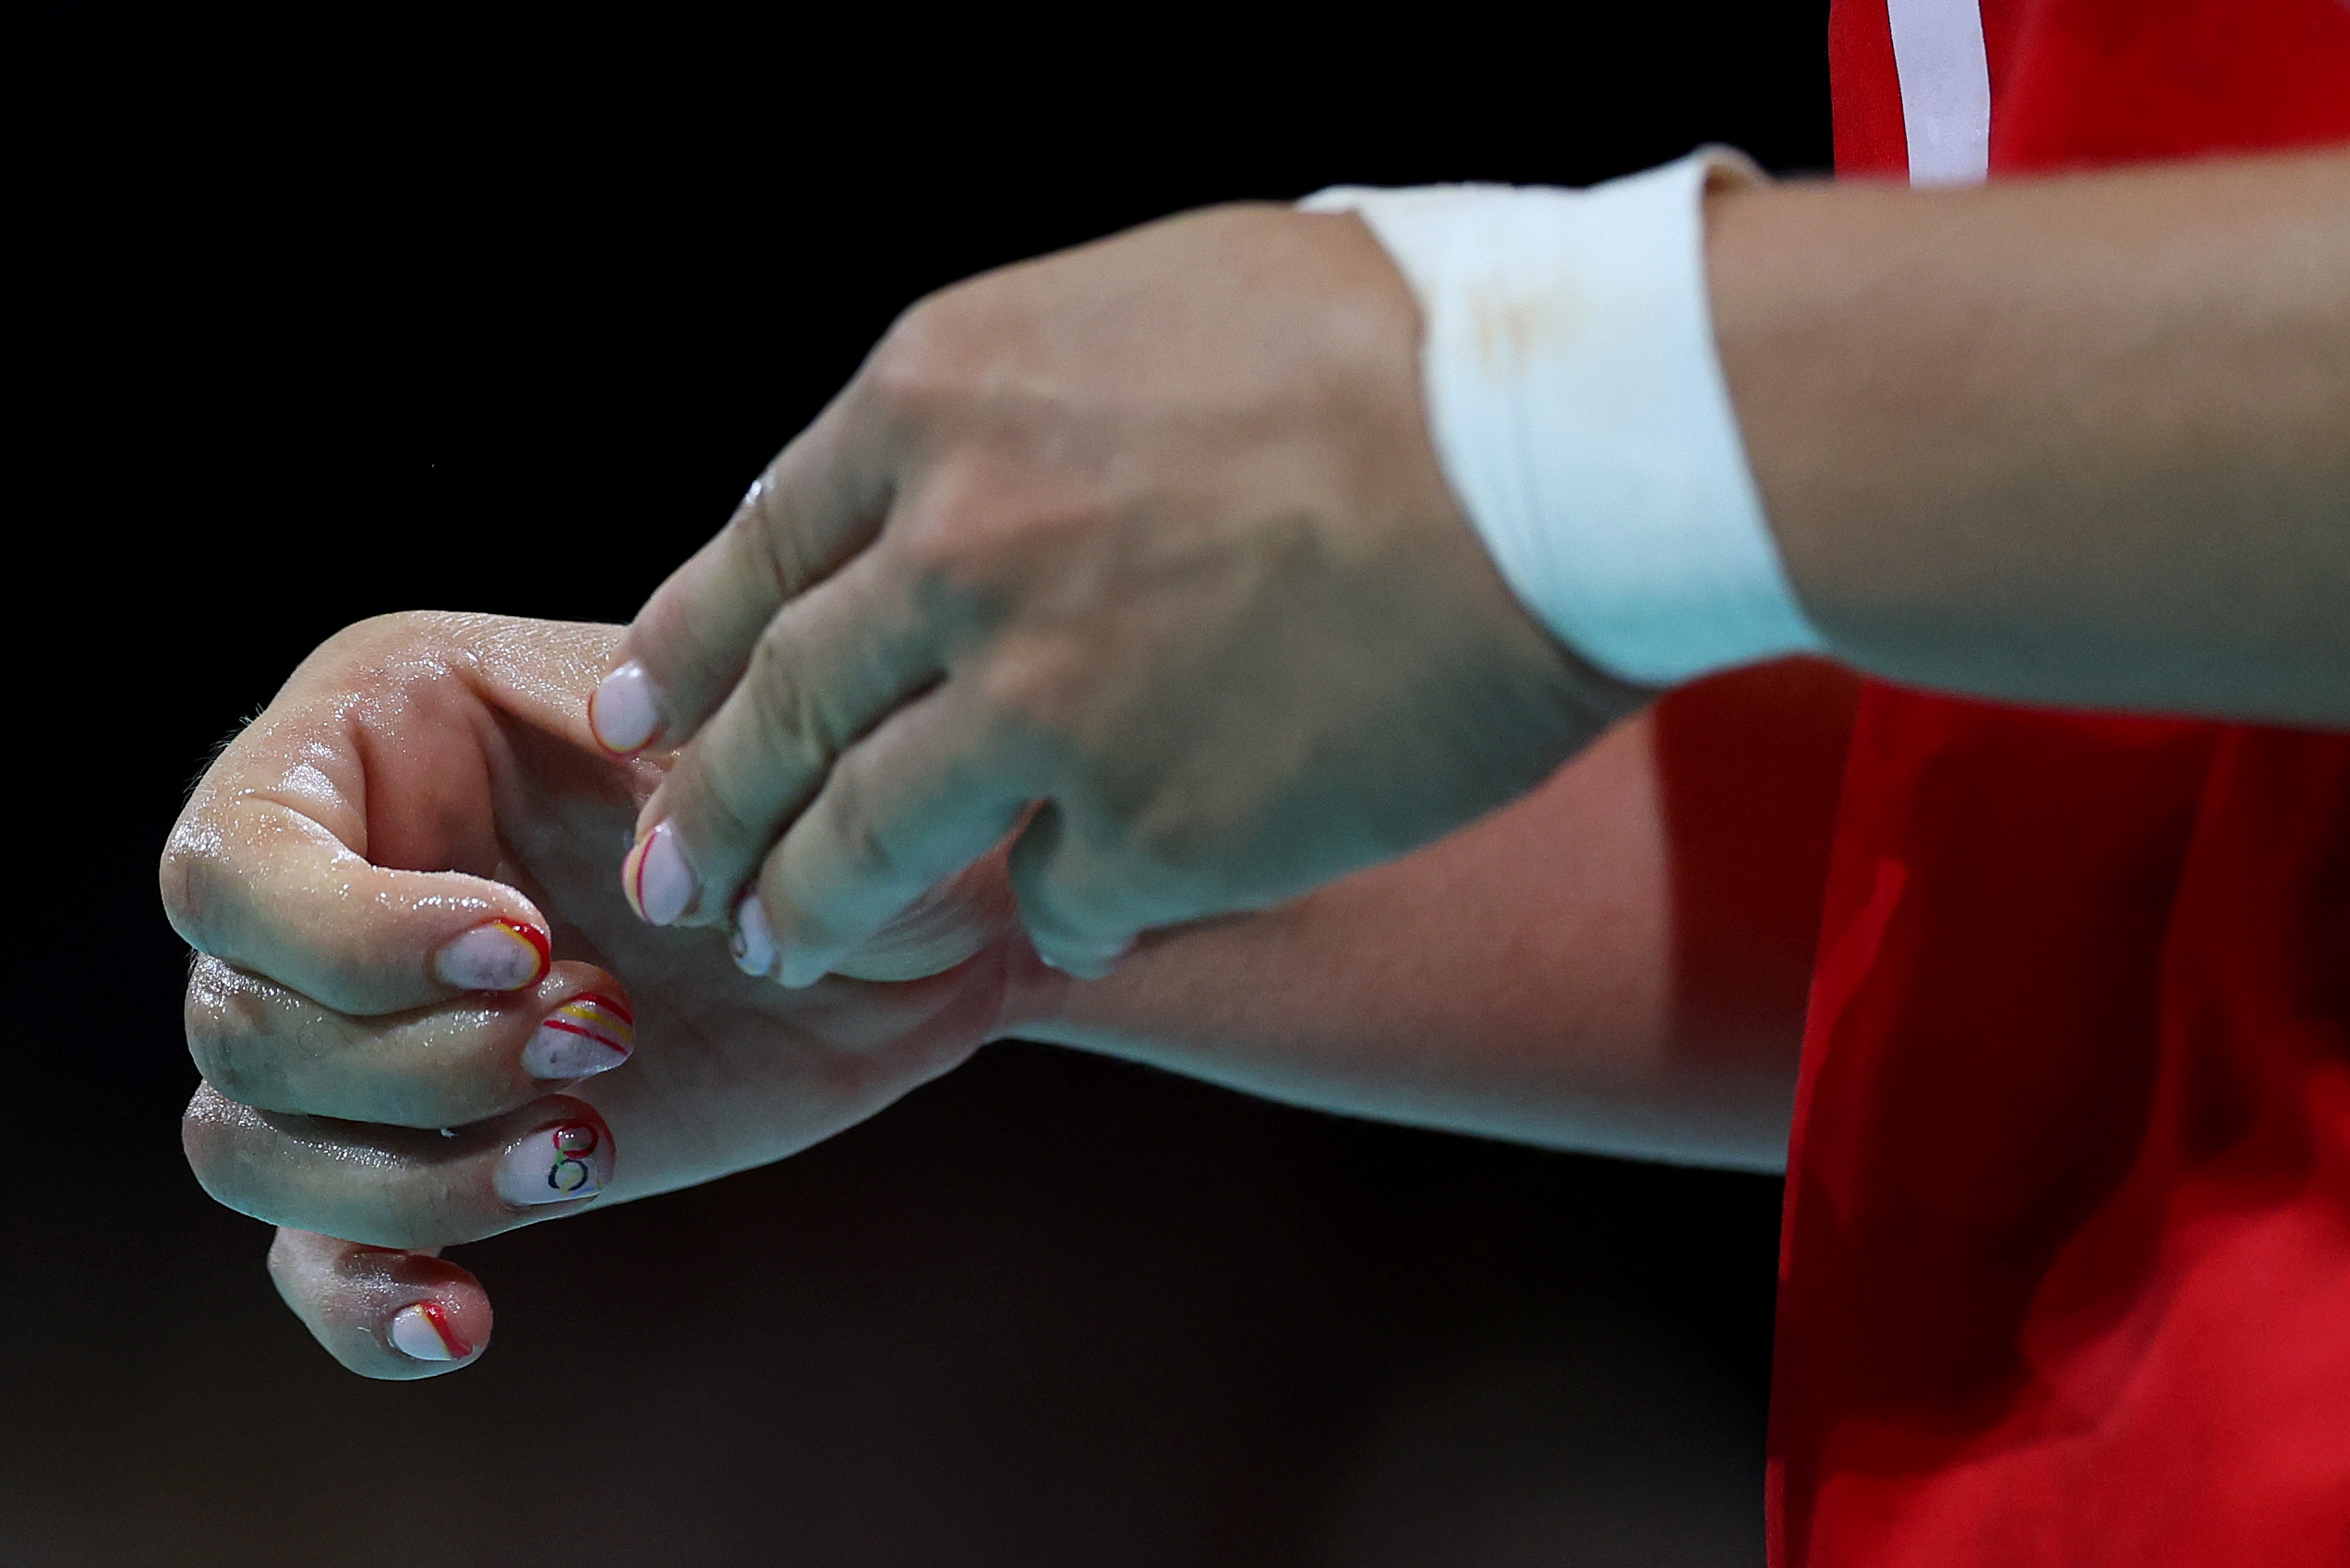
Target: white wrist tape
x,y
1580,413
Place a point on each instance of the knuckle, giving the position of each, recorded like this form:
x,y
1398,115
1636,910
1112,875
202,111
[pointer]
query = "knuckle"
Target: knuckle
x,y
985,528
923,543
913,368
1031,689
949,561
864,848
228,1035
708,805
213,1133
396,626
394,641
794,723
771,540
362,639
195,877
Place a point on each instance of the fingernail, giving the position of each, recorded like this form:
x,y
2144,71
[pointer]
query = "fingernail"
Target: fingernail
x,y
498,955
586,1035
622,710
659,878
568,1160
423,1333
753,941
1087,965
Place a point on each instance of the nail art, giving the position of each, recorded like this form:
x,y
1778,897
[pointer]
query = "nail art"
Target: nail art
x,y
588,1034
754,942
658,878
555,1163
500,955
624,711
423,1333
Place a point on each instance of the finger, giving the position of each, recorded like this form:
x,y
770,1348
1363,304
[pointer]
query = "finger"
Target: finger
x,y
1079,919
812,508
382,1313
399,1186
267,1047
260,883
833,664
954,920
911,804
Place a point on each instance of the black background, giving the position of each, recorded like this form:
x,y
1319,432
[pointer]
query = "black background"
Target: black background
x,y
313,322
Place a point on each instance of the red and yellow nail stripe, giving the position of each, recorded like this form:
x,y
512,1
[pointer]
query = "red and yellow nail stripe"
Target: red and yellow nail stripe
x,y
532,938
604,1020
438,1316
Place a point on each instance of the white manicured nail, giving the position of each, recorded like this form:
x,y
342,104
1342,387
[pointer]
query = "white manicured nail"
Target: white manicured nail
x,y
568,1160
623,711
496,955
753,941
423,1333
1079,964
588,1034
659,878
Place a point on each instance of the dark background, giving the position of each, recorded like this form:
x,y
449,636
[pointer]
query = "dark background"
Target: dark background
x,y
313,322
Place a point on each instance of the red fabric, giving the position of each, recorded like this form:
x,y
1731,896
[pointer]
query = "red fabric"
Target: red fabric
x,y
1869,134
2066,1273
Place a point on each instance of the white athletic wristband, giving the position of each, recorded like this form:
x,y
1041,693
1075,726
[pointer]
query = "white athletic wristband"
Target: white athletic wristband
x,y
1581,416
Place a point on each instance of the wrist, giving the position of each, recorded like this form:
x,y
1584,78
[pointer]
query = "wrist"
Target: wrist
x,y
1580,412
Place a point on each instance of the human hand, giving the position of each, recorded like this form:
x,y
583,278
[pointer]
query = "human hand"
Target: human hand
x,y
399,883
1148,540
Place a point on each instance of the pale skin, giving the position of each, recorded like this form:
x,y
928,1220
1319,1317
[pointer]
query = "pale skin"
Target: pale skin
x,y
1148,540
1520,979
1151,534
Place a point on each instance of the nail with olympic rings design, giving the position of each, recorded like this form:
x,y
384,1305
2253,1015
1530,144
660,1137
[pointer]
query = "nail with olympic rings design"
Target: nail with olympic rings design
x,y
555,1165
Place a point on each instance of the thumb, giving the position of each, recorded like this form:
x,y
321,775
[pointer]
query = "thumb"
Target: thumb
x,y
1075,921
382,1312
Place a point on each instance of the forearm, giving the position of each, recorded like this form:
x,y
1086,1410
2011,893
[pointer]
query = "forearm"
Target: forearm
x,y
2082,440
1615,963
